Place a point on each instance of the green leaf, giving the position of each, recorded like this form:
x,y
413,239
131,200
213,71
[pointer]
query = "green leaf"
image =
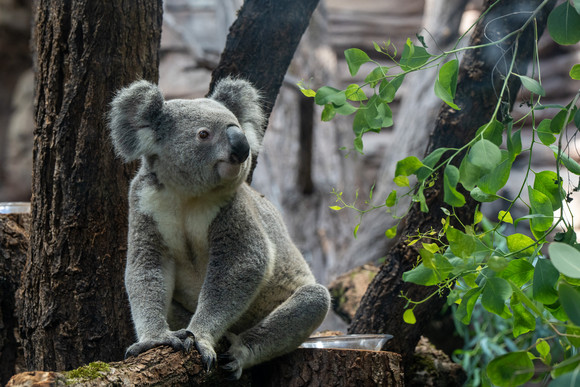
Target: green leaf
x,y
481,196
409,316
543,348
545,133
461,244
335,208
547,183
407,166
379,73
358,144
450,180
568,365
515,144
495,180
505,216
387,90
540,204
328,112
413,56
307,92
497,263
377,114
545,278
518,271
524,321
355,93
511,369
327,94
495,293
421,275
570,300
355,58
517,242
559,121
345,110
565,258
567,161
465,308
392,232
575,72
491,131
485,155
391,199
446,82
402,181
355,232
532,85
577,119
564,24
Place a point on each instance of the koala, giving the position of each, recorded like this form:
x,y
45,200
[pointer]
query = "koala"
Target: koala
x,y
208,256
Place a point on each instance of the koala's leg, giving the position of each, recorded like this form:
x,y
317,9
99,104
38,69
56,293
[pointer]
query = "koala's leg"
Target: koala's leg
x,y
281,331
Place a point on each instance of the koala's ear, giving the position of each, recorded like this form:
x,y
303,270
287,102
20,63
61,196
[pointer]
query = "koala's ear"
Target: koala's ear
x,y
132,119
242,99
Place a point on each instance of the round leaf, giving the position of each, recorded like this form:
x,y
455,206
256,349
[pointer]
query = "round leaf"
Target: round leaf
x,y
564,24
511,369
565,258
485,155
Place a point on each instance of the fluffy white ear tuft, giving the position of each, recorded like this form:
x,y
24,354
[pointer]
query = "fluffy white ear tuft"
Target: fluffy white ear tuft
x,y
133,118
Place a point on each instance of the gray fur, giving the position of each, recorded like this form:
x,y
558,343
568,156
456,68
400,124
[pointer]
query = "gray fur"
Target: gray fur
x,y
208,256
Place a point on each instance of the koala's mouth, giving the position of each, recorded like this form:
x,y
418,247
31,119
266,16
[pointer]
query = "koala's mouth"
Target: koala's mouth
x,y
228,170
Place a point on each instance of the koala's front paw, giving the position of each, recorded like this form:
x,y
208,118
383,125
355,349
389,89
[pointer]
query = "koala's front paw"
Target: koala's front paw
x,y
208,355
176,340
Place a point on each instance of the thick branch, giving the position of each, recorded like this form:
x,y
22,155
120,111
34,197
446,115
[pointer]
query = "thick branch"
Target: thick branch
x,y
261,44
163,366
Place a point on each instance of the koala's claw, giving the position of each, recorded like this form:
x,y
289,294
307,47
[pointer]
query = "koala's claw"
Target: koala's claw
x,y
174,340
208,355
233,369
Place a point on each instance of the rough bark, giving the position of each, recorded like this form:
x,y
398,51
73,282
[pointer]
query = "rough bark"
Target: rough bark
x,y
303,367
480,78
73,307
14,240
261,44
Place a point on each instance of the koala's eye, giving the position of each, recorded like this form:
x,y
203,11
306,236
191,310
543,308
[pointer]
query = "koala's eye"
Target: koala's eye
x,y
203,134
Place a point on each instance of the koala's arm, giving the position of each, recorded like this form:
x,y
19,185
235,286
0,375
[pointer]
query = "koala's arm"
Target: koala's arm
x,y
240,258
244,101
149,284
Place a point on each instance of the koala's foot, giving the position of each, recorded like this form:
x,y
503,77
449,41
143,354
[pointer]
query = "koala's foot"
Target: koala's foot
x,y
178,340
208,355
236,356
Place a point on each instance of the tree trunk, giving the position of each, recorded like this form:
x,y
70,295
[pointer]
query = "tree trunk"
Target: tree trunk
x,y
480,78
73,307
261,44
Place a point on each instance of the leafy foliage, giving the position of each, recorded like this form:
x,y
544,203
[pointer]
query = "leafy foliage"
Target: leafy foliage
x,y
490,269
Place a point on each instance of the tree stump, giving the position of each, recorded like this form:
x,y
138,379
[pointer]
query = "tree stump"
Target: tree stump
x,y
13,249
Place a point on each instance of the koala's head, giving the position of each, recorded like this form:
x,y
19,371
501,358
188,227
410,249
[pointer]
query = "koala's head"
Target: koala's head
x,y
196,145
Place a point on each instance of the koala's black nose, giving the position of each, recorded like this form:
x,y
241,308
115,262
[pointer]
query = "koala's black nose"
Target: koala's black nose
x,y
239,144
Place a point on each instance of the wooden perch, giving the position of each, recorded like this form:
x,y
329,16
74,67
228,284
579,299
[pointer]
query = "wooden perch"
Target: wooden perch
x,y
164,366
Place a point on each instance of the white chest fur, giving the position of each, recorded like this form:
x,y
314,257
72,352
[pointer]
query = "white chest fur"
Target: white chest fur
x,y
183,223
